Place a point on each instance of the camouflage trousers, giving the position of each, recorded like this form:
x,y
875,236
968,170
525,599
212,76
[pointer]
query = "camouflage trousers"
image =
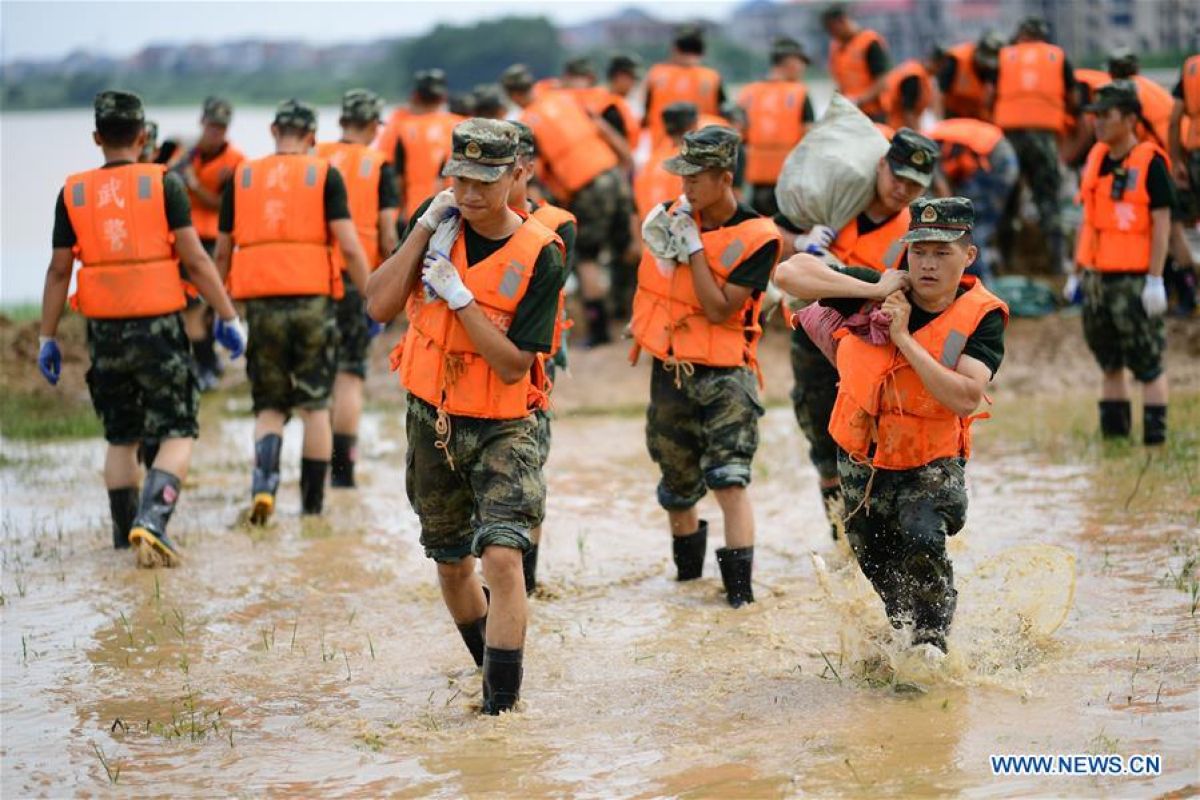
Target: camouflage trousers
x,y
1116,327
1188,210
292,352
602,210
1037,153
141,379
353,340
702,434
477,483
989,190
813,395
898,534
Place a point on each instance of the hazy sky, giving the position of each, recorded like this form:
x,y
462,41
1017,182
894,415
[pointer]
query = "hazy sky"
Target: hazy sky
x,y
48,29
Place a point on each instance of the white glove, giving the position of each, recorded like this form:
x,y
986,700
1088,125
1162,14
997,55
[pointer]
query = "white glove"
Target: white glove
x,y
441,209
1071,287
684,227
816,241
1154,296
652,220
441,279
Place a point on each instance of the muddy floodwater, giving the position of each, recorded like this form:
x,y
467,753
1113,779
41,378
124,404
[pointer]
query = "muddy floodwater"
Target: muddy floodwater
x,y
315,658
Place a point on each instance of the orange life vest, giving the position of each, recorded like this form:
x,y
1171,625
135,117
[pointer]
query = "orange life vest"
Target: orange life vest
x,y
280,234
1115,234
1093,79
545,86
848,66
439,362
359,166
668,318
881,399
568,141
774,125
679,83
879,250
598,99
427,142
966,146
890,98
212,175
1191,103
965,96
555,218
389,133
1157,103
653,184
124,242
1030,91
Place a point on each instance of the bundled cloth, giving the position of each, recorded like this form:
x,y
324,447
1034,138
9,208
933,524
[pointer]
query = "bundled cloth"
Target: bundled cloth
x,y
661,237
822,322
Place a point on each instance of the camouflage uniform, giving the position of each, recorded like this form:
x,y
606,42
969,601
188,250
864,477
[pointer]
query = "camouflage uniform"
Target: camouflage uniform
x,y
1037,153
1116,327
813,395
141,381
602,209
292,353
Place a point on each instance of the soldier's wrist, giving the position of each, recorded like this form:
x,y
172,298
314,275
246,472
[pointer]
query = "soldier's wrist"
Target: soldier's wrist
x,y
42,340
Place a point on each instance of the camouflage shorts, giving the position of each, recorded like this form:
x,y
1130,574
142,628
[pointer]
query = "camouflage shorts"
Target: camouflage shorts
x,y
813,395
494,494
1116,327
353,339
899,535
703,434
292,352
141,380
543,419
601,210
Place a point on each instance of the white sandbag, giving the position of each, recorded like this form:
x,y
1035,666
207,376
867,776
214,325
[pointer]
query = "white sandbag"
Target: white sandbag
x,y
829,177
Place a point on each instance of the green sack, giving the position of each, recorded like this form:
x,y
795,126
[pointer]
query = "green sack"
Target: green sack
x,y
1025,296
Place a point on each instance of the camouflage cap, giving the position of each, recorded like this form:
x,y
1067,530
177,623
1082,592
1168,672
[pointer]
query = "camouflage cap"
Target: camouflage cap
x,y
1034,26
711,147
913,156
526,143
488,100
1122,62
623,63
430,82
217,110
579,67
1120,94
516,78
987,50
461,104
481,149
680,117
787,47
117,106
939,219
361,105
296,114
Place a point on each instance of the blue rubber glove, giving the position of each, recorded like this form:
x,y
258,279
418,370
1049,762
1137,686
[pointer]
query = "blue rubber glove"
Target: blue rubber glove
x,y
373,328
49,360
231,335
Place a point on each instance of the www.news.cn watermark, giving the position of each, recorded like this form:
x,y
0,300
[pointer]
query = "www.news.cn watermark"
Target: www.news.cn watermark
x,y
1076,764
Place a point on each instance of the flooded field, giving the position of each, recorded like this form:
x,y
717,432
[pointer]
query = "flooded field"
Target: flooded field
x,y
316,659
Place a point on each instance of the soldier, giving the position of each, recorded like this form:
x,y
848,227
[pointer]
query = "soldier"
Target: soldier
x,y
488,101
700,322
206,170
481,316
682,79
871,240
778,112
654,185
1184,136
279,218
422,143
966,78
624,72
1121,249
858,60
1035,92
902,472
371,191
130,226
907,92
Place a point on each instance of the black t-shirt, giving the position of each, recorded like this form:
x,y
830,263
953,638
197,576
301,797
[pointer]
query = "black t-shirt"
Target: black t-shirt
x,y
1177,92
532,328
910,92
755,272
398,156
175,198
878,61
985,344
612,115
949,71
567,232
337,205
1159,185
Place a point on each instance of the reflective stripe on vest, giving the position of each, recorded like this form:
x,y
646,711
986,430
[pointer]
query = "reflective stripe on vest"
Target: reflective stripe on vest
x,y
212,175
679,83
879,250
427,143
891,100
568,141
1030,93
881,399
965,96
848,66
439,362
124,242
280,234
668,318
359,166
774,125
1115,234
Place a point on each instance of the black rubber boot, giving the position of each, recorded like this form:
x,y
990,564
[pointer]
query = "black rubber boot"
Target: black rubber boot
x,y
529,564
266,477
1154,425
312,485
147,451
345,453
736,565
123,504
473,636
1116,418
149,532
501,679
596,314
689,553
835,508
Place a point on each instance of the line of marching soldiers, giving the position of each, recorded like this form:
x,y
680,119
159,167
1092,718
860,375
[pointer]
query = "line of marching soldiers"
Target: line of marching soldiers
x,y
307,239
